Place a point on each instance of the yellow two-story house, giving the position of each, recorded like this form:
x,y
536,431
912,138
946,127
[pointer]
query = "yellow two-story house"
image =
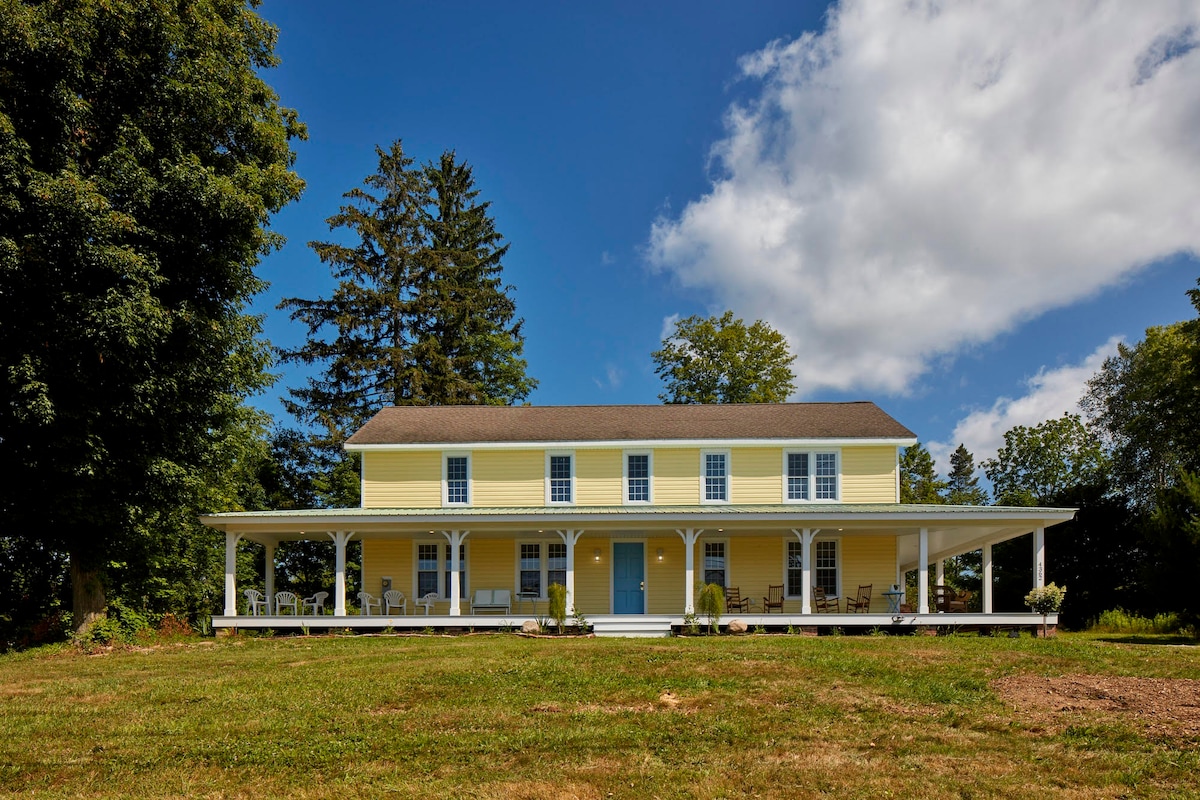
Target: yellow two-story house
x,y
477,510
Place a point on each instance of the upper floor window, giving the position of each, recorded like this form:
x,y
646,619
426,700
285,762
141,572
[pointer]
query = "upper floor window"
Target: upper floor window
x,y
560,478
810,476
458,472
716,477
637,477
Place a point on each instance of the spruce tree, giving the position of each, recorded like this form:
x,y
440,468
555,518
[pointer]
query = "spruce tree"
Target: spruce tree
x,y
963,488
420,315
919,482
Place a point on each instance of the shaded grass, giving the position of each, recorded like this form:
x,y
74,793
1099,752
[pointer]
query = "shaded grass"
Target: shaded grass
x,y
502,716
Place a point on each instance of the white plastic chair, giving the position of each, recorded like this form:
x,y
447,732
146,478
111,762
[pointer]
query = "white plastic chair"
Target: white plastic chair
x,y
366,602
255,602
316,603
394,598
428,601
287,600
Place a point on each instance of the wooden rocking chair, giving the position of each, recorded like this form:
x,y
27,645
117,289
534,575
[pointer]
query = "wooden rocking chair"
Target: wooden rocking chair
x,y
734,600
823,604
860,603
774,599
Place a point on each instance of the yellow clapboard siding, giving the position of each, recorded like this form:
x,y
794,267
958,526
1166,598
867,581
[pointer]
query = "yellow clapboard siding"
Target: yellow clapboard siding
x,y
665,584
402,480
592,586
754,563
868,560
509,478
598,477
676,477
869,474
390,557
755,474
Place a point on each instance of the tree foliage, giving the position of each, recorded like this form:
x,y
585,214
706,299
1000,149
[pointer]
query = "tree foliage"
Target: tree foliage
x,y
721,360
420,315
141,155
919,481
1038,463
962,485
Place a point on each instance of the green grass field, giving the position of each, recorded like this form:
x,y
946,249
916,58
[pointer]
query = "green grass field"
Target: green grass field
x,y
500,716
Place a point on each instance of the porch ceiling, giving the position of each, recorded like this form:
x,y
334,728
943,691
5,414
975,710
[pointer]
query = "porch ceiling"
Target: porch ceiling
x,y
951,528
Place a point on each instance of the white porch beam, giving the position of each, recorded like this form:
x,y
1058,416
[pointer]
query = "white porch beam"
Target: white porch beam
x,y
806,537
1039,557
231,540
689,536
269,578
570,539
923,572
987,579
340,539
455,538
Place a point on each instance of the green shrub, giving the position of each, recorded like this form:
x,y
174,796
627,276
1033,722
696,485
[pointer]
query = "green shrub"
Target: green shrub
x,y
558,604
1118,620
122,625
711,603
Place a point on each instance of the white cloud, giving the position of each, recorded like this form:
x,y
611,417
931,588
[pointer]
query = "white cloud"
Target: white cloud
x,y
1051,394
614,376
922,176
668,328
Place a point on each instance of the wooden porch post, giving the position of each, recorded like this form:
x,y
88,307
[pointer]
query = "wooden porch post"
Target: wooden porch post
x,y
987,578
455,538
269,580
941,572
806,537
231,540
689,567
570,538
923,572
1039,557
340,538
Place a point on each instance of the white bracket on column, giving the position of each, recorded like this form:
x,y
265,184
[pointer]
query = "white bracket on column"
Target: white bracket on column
x,y
455,538
570,539
340,540
231,540
689,536
806,537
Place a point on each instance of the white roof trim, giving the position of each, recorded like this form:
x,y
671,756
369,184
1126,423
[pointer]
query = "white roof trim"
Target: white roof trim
x,y
622,444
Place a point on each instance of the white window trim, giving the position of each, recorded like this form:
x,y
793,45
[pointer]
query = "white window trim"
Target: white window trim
x,y
728,557
446,455
543,564
443,567
574,495
837,540
812,475
649,454
704,454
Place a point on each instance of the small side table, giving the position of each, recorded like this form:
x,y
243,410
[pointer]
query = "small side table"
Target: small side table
x,y
893,599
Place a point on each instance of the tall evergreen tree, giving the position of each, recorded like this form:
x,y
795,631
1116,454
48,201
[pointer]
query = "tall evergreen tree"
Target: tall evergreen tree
x,y
962,485
919,481
420,315
141,155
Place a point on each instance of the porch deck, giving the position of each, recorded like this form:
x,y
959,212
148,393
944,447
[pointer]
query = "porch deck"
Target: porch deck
x,y
633,624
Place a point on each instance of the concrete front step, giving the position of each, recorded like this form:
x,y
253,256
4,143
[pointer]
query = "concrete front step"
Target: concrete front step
x,y
632,626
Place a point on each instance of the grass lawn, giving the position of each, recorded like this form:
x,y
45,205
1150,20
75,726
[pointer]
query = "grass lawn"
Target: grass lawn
x,y
500,716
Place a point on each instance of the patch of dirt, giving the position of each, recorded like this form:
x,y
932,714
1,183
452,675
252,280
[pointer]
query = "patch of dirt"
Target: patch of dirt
x,y
1162,706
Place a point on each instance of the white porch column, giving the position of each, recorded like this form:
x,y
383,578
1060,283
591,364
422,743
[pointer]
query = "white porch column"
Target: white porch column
x,y
340,539
689,537
1039,557
231,540
270,576
570,538
455,538
941,572
806,537
923,572
987,578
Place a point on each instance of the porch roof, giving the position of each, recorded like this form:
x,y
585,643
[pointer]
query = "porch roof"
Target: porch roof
x,y
951,529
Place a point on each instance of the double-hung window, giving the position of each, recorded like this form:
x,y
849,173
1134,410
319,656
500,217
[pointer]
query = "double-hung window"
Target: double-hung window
x,y
795,569
716,477
560,478
637,477
457,485
434,569
810,476
714,563
530,579
556,563
427,570
825,566
462,570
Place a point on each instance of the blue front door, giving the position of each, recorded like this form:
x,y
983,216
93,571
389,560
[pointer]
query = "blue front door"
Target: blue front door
x,y
629,578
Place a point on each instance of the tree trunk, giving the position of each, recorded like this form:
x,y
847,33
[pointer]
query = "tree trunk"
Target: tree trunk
x,y
87,593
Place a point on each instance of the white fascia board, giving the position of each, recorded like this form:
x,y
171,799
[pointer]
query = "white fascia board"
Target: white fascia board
x,y
628,444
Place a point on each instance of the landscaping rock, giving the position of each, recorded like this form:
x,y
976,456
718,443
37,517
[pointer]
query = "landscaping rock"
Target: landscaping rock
x,y
530,626
737,626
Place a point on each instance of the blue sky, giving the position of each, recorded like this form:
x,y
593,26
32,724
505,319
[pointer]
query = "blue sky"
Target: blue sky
x,y
952,211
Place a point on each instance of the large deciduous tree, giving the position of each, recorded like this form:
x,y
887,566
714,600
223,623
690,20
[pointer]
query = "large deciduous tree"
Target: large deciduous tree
x,y
141,155
421,315
722,360
1039,463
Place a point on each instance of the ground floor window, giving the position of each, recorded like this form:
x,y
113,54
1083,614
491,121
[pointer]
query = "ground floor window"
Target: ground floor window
x,y
825,567
427,570
795,569
556,563
462,570
531,569
714,563
434,564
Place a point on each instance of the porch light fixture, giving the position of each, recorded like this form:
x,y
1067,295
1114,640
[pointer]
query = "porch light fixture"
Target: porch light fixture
x,y
660,554
596,554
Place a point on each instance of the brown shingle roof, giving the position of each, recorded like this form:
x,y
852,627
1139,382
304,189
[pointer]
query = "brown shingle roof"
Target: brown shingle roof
x,y
477,424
